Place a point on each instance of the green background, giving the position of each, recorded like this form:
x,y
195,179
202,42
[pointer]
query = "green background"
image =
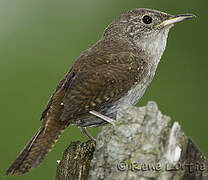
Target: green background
x,y
39,40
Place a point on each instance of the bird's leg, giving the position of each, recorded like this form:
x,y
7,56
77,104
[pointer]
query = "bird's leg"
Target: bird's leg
x,y
105,118
86,133
97,114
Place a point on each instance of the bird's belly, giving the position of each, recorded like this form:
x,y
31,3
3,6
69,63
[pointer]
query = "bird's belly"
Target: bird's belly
x,y
134,94
131,98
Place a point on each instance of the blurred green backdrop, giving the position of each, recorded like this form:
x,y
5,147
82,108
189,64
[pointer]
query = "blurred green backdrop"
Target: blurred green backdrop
x,y
39,40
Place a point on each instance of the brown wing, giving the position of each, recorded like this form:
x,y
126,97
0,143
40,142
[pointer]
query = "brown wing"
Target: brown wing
x,y
96,86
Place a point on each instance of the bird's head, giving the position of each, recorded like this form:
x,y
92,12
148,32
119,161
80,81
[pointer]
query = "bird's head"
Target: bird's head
x,y
147,29
144,23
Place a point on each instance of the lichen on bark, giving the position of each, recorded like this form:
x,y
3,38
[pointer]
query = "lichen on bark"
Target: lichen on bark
x,y
143,144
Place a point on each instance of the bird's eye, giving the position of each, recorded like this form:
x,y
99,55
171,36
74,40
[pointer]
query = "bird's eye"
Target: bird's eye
x,y
147,19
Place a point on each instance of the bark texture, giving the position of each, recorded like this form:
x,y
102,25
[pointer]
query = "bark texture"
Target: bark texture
x,y
75,162
142,145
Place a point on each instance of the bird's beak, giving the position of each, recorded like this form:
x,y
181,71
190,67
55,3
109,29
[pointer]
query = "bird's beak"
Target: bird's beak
x,y
176,19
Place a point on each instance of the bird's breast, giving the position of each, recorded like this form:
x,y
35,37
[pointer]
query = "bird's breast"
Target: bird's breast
x,y
133,95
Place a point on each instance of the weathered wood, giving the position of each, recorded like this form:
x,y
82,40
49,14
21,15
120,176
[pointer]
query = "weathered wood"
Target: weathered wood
x,y
75,162
142,145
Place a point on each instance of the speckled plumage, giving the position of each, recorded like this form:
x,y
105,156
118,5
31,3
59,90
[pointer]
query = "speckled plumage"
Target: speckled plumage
x,y
112,73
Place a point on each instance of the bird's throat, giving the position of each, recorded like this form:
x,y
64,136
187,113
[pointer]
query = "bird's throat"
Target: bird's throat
x,y
152,48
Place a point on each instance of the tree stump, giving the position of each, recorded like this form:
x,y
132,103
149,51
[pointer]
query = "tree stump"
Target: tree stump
x,y
142,145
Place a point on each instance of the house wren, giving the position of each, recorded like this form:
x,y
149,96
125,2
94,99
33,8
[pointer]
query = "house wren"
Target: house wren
x,y
112,73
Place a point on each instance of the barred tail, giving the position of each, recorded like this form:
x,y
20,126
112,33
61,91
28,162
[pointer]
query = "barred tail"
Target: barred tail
x,y
36,149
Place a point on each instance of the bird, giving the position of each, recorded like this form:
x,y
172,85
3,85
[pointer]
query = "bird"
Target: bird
x,y
114,72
